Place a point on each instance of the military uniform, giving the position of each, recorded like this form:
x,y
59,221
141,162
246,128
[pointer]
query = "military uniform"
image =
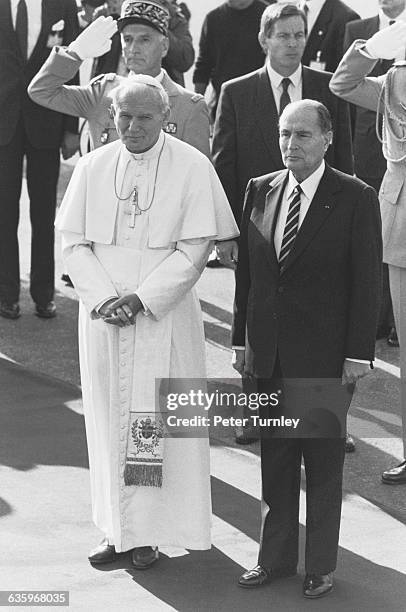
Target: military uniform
x,y
188,121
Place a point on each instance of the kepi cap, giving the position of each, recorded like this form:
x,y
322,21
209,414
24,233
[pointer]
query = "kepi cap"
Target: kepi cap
x,y
144,11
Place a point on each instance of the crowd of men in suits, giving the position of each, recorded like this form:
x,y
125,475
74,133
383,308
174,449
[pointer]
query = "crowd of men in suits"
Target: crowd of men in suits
x,y
308,263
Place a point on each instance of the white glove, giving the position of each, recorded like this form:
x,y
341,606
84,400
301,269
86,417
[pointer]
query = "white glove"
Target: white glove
x,y
95,39
388,43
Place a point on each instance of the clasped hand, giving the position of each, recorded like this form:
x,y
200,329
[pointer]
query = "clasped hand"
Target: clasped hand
x,y
121,311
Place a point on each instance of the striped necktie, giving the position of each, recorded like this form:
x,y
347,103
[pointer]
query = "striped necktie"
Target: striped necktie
x,y
22,28
291,227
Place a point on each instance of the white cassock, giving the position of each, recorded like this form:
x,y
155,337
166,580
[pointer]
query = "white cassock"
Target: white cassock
x,y
160,259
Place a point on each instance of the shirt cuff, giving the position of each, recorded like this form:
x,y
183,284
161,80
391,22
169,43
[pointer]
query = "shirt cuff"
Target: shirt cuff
x,y
146,311
361,48
238,348
66,52
364,361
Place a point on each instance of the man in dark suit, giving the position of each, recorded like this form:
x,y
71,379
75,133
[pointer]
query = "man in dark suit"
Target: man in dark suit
x,y
369,162
28,31
327,20
246,130
245,140
306,305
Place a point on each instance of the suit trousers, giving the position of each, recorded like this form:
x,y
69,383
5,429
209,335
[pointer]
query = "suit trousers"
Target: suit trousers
x,y
397,278
281,460
42,178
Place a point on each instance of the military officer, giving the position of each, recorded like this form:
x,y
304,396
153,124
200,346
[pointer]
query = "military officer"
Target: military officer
x,y
144,37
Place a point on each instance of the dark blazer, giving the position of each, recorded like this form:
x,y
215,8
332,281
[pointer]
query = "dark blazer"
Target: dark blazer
x,y
44,127
369,161
246,138
327,34
324,306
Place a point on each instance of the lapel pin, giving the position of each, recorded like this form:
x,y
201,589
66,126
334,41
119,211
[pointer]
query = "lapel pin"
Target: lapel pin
x,y
327,206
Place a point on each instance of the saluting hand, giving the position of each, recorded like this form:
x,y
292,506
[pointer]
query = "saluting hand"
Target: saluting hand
x,y
388,43
95,39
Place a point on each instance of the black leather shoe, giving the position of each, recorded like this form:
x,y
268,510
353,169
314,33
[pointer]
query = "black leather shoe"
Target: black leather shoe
x,y
392,339
103,553
144,557
317,585
253,578
9,311
46,312
396,475
349,444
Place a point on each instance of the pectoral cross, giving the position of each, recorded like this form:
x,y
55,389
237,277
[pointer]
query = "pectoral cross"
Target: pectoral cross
x,y
133,208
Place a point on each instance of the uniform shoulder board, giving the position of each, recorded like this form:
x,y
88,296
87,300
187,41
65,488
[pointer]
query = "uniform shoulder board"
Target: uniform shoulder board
x,y
110,76
196,97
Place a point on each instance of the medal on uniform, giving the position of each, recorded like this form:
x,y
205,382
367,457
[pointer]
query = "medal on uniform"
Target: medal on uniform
x,y
171,128
104,136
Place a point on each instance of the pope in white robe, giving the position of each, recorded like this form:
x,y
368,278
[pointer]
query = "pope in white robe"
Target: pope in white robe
x,y
157,252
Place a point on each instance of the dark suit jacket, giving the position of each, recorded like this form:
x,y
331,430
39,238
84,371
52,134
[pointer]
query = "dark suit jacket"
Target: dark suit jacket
x,y
369,161
327,34
246,138
324,306
44,127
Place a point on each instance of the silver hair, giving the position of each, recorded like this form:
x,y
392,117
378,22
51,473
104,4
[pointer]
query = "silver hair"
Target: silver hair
x,y
323,114
132,85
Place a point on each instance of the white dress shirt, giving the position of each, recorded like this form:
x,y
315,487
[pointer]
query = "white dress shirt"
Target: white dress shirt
x,y
34,14
294,89
384,19
309,188
314,7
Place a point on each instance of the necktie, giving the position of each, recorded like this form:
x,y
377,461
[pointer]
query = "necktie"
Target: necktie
x,y
22,28
291,227
285,98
